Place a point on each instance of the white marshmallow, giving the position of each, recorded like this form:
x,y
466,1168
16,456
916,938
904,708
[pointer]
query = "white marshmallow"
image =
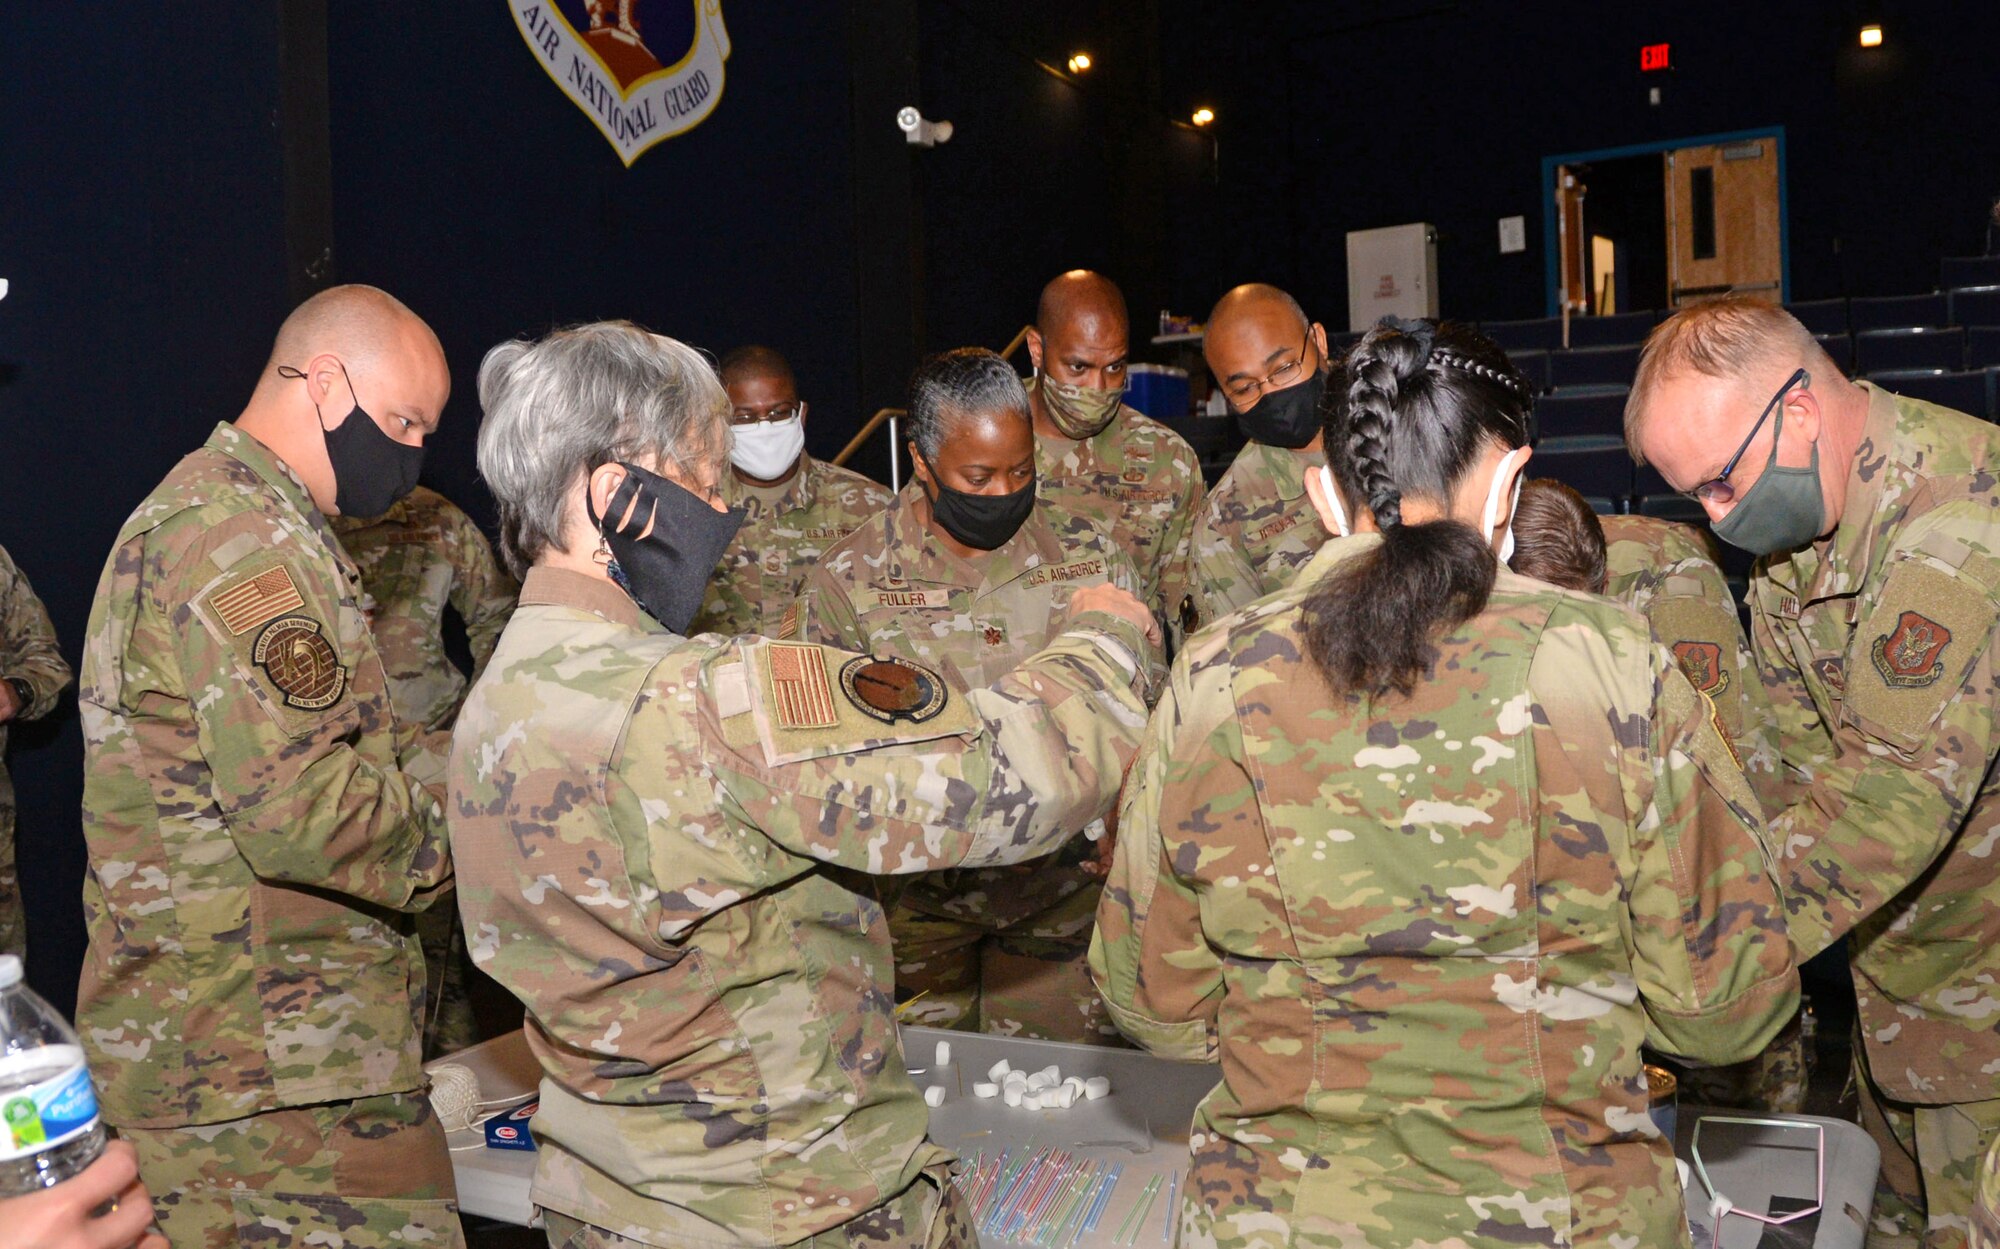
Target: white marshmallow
x,y
1065,1097
1011,1094
1053,1072
1039,1081
934,1095
1096,1087
998,1070
985,1089
944,1054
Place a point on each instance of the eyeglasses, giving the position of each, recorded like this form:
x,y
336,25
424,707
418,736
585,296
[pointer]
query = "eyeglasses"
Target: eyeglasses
x,y
1717,489
1250,389
751,416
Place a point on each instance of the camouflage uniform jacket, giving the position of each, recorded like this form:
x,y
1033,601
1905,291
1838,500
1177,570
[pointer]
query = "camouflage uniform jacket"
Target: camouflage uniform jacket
x,y
1668,573
1257,529
250,831
891,588
1426,939
1140,483
766,563
415,559
28,653
1875,646
646,823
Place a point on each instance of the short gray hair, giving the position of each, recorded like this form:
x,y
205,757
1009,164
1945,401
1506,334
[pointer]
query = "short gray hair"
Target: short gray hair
x,y
581,397
952,385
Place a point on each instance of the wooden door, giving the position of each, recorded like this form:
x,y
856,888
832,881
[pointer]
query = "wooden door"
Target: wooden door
x,y
1569,192
1723,228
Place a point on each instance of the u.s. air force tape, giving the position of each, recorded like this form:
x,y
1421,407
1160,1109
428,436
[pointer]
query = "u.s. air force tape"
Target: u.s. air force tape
x,y
892,689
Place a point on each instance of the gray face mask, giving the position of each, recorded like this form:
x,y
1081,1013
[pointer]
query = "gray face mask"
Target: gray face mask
x,y
1783,510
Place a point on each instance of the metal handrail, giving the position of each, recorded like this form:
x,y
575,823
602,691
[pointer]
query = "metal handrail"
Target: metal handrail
x,y
892,416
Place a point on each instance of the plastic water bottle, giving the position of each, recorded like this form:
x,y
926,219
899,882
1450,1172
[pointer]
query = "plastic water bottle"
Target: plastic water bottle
x,y
49,1128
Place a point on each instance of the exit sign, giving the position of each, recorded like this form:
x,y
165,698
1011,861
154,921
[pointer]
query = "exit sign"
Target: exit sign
x,y
1654,56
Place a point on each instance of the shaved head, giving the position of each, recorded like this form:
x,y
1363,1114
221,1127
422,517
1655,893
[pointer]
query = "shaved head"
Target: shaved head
x,y
745,363
1076,296
360,324
1255,299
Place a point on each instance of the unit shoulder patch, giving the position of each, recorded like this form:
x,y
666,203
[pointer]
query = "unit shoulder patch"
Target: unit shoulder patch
x,y
1911,655
297,658
1701,663
891,689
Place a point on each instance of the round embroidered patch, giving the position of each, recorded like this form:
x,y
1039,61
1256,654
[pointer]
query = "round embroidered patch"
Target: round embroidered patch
x,y
300,662
892,689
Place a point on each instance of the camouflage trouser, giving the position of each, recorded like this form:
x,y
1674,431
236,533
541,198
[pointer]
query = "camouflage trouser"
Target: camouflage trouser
x,y
448,1023
1931,1157
1774,1082
1002,950
930,1214
367,1174
13,920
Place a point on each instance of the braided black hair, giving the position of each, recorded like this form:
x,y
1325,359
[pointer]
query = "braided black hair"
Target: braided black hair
x,y
1422,399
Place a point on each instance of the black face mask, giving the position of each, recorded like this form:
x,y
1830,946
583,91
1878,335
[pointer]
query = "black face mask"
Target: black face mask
x,y
1288,417
984,522
666,571
371,470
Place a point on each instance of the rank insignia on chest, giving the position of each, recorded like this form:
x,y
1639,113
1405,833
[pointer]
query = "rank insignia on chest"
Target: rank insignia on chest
x,y
992,635
300,662
892,689
1831,673
801,694
1912,653
1701,663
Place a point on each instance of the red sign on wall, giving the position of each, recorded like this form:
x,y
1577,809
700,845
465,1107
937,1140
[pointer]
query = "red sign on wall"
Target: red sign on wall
x,y
1654,56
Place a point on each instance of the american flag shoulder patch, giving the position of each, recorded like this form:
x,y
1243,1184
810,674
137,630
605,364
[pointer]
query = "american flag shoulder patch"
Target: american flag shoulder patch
x,y
247,604
802,693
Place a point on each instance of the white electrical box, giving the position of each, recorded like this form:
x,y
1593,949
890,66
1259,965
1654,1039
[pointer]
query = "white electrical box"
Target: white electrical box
x,y
1391,272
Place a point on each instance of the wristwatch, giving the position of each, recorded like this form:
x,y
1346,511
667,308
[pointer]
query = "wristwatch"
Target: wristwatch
x,y
22,690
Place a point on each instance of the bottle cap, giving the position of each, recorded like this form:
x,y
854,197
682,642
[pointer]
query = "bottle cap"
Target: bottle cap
x,y
10,970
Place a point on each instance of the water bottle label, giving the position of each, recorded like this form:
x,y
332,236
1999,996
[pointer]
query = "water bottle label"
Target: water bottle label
x,y
46,1098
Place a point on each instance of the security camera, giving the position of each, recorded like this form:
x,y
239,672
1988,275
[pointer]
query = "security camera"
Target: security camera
x,y
920,132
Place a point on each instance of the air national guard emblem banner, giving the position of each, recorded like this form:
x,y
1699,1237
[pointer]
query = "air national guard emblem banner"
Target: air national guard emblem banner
x,y
643,70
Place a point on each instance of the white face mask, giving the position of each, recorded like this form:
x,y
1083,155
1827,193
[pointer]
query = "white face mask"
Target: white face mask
x,y
768,448
1492,514
1333,501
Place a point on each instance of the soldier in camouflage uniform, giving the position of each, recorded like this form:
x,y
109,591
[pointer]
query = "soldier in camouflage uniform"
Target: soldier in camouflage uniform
x,y
647,824
1424,894
1257,528
792,514
256,820
986,949
416,559
1668,573
1129,475
1872,618
33,674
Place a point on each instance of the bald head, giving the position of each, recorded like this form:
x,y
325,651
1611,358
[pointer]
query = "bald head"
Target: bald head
x,y
1256,300
360,324
1079,295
